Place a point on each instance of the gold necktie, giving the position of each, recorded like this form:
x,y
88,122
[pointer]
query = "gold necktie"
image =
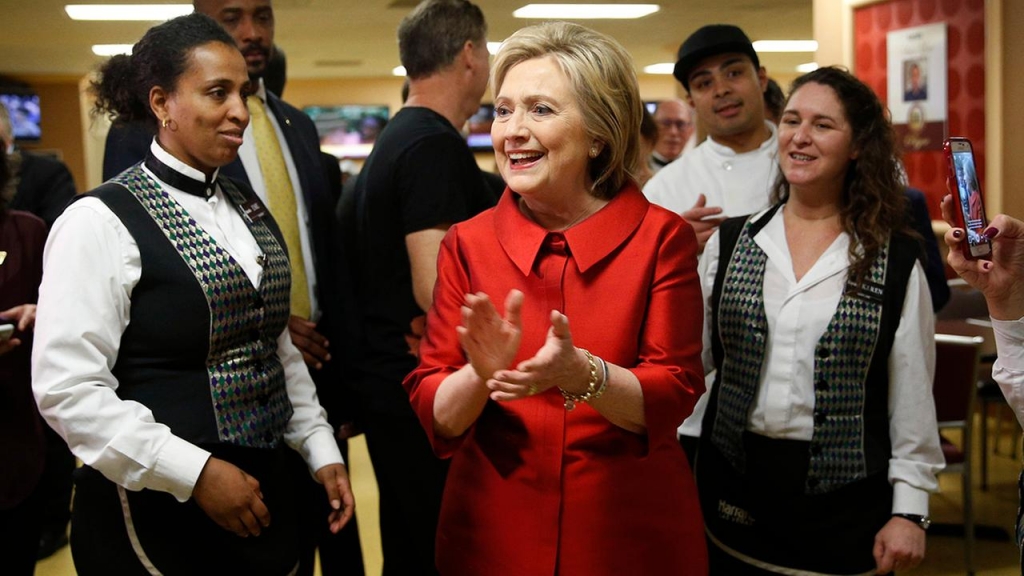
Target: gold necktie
x,y
281,200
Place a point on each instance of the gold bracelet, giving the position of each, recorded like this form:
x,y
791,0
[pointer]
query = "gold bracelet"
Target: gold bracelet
x,y
572,399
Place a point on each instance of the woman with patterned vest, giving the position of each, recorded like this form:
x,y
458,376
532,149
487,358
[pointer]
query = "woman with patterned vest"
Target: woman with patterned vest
x,y
820,444
162,354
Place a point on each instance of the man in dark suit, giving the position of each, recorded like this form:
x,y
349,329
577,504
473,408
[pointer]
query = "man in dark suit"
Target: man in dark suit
x,y
43,185
313,251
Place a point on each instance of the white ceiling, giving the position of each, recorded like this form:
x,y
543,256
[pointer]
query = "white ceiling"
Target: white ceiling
x,y
356,38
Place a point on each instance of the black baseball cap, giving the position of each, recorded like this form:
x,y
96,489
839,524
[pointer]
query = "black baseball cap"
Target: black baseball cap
x,y
711,40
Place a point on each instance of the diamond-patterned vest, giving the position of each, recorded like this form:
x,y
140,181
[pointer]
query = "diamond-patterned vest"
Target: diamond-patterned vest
x,y
200,350
851,428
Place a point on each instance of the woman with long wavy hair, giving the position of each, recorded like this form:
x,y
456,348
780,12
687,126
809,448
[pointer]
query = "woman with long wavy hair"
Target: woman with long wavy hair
x,y
819,444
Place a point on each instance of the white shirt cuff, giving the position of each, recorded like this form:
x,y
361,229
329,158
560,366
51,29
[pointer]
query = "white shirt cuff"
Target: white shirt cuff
x,y
319,450
178,467
907,499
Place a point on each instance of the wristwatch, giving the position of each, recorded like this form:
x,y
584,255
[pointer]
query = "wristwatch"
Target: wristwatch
x,y
923,522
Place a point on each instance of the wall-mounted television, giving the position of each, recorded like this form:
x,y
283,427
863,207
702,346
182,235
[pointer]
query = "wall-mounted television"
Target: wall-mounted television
x,y
478,135
348,130
23,107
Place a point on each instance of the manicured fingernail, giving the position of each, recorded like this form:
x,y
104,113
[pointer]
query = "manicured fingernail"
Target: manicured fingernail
x,y
958,234
336,504
987,265
990,232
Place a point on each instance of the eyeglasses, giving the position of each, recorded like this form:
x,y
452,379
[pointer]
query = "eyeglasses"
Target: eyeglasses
x,y
677,124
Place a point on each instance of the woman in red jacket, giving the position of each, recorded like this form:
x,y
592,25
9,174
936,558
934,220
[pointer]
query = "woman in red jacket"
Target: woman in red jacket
x,y
562,434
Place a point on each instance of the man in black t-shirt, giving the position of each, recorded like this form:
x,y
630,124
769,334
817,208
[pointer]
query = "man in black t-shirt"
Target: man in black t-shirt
x,y
419,180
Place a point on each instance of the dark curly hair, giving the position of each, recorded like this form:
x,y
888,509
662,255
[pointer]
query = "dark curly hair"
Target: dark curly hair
x,y
873,203
158,59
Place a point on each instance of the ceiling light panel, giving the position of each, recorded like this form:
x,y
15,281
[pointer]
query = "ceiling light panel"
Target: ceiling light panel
x,y
111,49
586,11
123,12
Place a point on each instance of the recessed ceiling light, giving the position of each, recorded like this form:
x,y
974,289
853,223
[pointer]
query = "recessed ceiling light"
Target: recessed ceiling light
x,y
807,67
398,71
111,49
138,12
660,68
785,45
586,11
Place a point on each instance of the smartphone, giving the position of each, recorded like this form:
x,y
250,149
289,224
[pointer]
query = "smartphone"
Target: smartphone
x,y
6,331
968,202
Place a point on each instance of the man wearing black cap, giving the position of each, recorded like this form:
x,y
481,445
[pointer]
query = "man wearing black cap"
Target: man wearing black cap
x,y
730,173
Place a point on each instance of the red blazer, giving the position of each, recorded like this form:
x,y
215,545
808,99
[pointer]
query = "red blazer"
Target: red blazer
x,y
22,448
534,489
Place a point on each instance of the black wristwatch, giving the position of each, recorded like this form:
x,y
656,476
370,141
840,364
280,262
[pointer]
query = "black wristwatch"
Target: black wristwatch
x,y
923,522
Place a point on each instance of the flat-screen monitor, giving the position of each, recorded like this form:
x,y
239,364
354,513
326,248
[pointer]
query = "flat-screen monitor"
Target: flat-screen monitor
x,y
479,134
348,130
23,107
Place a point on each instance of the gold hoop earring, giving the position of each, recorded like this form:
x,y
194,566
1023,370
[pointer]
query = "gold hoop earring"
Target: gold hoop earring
x,y
164,123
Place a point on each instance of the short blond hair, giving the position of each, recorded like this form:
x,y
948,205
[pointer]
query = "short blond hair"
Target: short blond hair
x,y
603,82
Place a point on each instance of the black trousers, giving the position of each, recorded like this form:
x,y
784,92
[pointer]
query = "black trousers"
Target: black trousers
x,y
410,477
20,528
110,527
340,554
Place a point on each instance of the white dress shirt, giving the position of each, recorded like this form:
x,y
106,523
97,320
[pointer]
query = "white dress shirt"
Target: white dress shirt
x,y
798,313
251,162
738,183
91,266
1008,370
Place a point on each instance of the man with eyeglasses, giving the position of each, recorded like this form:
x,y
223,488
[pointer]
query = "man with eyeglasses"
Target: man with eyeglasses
x,y
675,127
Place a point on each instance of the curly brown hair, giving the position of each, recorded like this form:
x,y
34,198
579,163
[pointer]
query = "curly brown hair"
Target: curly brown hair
x,y
873,204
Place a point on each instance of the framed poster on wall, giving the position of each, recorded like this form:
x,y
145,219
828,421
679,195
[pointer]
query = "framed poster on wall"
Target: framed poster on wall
x,y
916,85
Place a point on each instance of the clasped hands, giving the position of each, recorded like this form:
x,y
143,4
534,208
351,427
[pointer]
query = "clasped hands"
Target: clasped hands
x,y
491,342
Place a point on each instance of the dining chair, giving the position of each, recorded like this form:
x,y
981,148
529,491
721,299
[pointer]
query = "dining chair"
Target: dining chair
x,y
955,392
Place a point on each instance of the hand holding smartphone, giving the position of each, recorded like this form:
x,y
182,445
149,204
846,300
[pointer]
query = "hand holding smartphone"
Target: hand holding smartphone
x,y
968,203
6,331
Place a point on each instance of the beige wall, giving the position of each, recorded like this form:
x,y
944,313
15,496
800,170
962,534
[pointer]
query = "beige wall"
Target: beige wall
x,y
61,122
1010,116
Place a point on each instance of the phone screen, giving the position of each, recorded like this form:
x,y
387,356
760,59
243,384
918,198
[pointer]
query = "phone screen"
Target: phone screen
x,y
969,196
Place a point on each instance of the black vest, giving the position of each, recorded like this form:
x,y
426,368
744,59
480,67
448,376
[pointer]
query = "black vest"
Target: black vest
x,y
851,424
200,349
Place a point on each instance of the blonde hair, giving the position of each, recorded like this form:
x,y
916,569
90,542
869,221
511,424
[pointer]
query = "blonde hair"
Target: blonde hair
x,y
604,85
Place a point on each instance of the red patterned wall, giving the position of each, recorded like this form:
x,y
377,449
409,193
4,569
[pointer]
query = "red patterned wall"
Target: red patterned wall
x,y
965,38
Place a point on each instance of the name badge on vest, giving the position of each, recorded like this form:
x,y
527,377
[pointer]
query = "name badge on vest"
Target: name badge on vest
x,y
868,290
253,211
